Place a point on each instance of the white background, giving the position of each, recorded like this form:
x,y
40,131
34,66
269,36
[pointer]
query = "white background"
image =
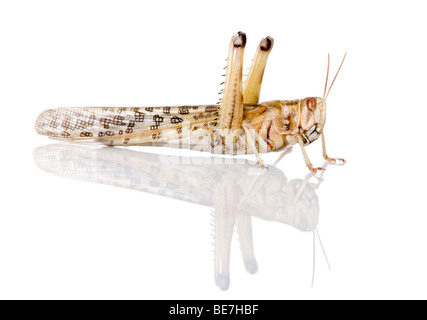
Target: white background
x,y
63,238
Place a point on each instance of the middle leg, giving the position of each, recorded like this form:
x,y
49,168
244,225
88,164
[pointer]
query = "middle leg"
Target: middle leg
x,y
251,138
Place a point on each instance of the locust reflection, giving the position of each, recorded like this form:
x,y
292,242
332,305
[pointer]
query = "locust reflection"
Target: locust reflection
x,y
234,189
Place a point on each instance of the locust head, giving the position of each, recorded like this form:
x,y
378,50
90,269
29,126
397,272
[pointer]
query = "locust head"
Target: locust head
x,y
312,118
312,111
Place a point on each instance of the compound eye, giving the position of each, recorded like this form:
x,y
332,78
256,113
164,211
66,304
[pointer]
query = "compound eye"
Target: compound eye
x,y
311,104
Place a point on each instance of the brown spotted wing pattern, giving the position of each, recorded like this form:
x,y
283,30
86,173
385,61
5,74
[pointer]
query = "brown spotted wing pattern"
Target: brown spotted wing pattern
x,y
126,126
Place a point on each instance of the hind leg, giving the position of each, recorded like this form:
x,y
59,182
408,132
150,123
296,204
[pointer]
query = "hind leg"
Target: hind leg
x,y
252,87
232,100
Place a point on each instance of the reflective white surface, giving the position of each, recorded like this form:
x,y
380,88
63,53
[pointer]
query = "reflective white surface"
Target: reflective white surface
x,y
69,238
234,189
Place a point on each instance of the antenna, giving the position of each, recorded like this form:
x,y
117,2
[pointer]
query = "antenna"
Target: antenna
x,y
335,74
327,75
323,249
316,232
314,259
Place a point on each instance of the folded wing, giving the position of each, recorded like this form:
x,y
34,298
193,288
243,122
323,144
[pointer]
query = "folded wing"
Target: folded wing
x,y
125,126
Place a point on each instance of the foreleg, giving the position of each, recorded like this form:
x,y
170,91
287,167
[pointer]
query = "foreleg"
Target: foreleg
x,y
325,155
306,159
